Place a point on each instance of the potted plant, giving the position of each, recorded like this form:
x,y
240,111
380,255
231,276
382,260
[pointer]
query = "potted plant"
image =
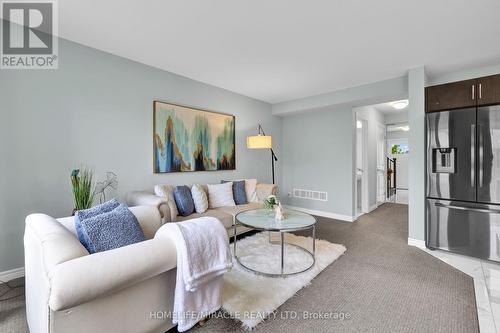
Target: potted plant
x,y
82,186
271,201
273,204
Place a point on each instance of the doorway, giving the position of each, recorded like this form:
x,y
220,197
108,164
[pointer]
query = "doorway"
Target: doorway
x,y
361,174
398,150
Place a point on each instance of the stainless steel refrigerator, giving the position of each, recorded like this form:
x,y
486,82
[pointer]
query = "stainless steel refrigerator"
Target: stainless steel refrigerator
x,y
463,181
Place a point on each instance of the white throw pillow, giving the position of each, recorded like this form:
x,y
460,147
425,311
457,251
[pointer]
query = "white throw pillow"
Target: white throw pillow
x,y
200,198
167,191
220,195
251,190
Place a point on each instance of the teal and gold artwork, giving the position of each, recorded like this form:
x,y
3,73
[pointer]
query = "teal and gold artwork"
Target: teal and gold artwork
x,y
187,139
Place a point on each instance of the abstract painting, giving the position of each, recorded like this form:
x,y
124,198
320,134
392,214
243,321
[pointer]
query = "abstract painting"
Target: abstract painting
x,y
187,139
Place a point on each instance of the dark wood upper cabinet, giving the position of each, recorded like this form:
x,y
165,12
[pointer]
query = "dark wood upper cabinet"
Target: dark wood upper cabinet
x,y
451,96
488,90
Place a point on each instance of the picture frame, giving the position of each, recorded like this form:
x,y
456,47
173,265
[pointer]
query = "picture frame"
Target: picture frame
x,y
188,139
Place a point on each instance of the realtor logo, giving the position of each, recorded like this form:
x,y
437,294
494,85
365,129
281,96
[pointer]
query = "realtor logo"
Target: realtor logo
x,y
28,35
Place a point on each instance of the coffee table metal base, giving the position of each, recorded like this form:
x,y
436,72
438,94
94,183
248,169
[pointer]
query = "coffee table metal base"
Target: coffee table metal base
x,y
282,243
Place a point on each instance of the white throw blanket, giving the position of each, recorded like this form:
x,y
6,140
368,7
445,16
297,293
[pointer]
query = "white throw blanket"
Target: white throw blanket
x,y
203,256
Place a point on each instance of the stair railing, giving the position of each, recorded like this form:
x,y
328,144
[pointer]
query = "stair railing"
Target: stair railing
x,y
391,177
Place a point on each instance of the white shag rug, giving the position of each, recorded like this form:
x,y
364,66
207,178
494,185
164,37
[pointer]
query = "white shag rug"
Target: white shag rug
x,y
250,298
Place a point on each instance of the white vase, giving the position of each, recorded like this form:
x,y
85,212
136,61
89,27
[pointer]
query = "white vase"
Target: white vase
x,y
279,214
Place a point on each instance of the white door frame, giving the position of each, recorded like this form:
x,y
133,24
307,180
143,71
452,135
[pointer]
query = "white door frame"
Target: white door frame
x,y
382,127
364,178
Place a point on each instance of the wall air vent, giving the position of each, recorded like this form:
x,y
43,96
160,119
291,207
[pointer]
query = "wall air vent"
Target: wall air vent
x,y
310,195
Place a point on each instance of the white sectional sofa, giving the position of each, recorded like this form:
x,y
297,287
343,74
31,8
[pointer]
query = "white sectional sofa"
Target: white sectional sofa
x,y
129,289
225,214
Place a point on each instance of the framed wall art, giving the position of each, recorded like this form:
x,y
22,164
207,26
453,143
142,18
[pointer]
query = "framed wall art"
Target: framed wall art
x,y
188,139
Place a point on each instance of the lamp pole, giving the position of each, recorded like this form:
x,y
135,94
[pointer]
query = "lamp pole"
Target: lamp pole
x,y
273,155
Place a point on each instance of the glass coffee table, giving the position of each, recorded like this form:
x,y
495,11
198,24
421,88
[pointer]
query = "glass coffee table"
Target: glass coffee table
x,y
263,220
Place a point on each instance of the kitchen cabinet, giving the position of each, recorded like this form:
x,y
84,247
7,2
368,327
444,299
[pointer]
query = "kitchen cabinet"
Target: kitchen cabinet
x,y
488,90
451,96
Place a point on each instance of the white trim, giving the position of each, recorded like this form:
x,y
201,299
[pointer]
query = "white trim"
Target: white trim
x,y
11,274
416,242
323,213
383,127
364,177
370,209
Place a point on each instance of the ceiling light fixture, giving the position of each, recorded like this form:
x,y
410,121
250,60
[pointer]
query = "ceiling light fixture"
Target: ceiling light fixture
x,y
400,105
398,127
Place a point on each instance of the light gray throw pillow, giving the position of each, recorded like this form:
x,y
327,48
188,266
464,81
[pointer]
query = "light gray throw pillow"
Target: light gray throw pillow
x,y
200,198
220,195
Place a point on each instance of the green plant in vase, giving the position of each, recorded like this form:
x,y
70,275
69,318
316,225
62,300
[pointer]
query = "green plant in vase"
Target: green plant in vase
x,y
271,201
82,184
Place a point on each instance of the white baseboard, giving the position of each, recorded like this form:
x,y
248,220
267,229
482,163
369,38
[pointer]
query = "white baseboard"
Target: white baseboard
x,y
372,208
416,242
12,274
323,213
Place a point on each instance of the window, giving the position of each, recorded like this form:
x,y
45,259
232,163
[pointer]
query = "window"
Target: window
x,y
400,149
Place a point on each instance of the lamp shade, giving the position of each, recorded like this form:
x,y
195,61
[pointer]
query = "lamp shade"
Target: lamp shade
x,y
259,142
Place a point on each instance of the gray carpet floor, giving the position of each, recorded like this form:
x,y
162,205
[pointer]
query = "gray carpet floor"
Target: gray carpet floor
x,y
12,307
380,285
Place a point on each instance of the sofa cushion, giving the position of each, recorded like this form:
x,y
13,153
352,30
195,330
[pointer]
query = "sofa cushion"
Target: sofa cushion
x,y
220,195
184,200
111,230
226,219
265,190
200,198
167,191
234,210
239,194
251,190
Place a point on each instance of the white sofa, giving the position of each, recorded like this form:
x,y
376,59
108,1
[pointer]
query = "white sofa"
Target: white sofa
x,y
129,289
225,214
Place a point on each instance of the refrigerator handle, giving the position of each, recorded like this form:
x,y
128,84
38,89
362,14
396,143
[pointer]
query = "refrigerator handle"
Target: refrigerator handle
x,y
472,209
481,151
472,155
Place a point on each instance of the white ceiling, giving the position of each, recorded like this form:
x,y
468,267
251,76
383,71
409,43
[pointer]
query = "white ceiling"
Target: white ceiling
x,y
387,108
281,50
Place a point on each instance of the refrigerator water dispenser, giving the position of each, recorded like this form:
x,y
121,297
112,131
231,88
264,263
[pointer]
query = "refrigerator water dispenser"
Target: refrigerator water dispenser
x,y
444,160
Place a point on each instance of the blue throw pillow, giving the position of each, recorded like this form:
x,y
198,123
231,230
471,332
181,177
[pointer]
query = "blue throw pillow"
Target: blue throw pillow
x,y
239,193
91,212
112,230
184,200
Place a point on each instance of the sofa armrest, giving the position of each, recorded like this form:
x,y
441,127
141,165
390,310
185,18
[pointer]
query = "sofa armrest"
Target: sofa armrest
x,y
167,212
83,279
57,243
141,198
265,190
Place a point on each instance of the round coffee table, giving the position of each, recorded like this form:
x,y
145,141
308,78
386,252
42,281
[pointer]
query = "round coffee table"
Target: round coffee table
x,y
263,219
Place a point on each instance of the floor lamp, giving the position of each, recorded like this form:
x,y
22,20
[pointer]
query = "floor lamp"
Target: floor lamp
x,y
262,141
